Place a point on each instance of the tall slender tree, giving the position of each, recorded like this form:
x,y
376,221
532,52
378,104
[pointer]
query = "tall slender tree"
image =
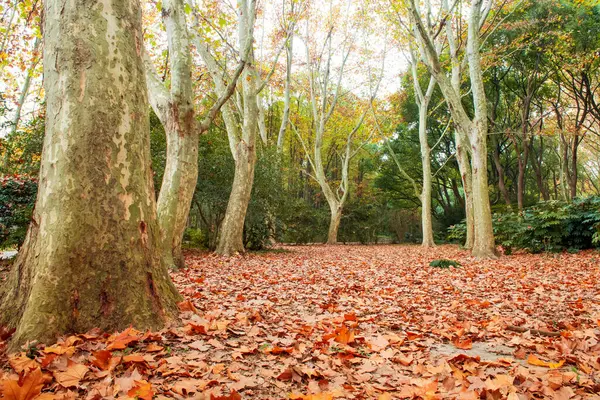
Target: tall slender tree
x,y
183,126
472,131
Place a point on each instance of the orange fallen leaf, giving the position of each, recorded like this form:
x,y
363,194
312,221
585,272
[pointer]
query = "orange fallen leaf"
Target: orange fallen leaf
x,y
134,358
187,306
101,359
345,335
122,340
141,390
464,344
153,348
22,363
234,395
72,376
317,396
533,360
27,387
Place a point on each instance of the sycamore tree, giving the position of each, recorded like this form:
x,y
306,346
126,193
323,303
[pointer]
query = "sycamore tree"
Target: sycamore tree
x,y
175,107
91,258
471,127
327,58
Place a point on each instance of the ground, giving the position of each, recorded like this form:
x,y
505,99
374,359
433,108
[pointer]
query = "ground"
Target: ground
x,y
355,322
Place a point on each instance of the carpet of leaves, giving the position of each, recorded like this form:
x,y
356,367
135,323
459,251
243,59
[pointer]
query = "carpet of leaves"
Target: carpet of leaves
x,y
352,322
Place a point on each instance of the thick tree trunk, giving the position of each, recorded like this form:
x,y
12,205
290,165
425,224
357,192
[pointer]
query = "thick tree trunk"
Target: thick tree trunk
x,y
91,256
232,229
177,190
334,222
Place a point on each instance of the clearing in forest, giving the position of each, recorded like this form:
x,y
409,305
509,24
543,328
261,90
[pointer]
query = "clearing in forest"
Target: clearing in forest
x,y
356,322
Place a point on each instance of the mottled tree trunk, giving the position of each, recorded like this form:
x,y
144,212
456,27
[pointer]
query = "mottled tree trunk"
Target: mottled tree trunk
x,y
334,222
91,256
232,228
177,191
467,182
483,243
426,223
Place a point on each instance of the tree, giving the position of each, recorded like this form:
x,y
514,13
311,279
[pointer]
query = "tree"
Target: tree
x,y
91,256
422,100
472,132
175,109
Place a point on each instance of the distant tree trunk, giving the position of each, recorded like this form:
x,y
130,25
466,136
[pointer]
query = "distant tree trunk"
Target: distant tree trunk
x,y
242,144
422,100
334,222
25,89
500,170
286,94
467,181
91,258
232,228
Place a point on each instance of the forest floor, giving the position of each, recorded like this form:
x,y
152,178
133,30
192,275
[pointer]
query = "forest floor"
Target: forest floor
x,y
353,322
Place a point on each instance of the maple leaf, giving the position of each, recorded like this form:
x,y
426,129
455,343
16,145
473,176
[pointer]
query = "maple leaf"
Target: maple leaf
x,y
72,376
141,390
27,387
22,363
122,340
533,360
464,344
344,335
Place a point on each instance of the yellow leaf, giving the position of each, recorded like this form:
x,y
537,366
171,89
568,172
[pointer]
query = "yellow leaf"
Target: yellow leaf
x,y
533,360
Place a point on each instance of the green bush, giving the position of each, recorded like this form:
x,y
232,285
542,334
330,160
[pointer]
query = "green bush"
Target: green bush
x,y
194,238
548,226
303,223
17,199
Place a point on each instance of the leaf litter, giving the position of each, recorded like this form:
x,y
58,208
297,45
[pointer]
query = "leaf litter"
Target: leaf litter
x,y
344,322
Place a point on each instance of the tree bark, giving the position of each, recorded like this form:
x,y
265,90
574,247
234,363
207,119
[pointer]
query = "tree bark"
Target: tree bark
x,y
232,228
334,222
467,181
91,258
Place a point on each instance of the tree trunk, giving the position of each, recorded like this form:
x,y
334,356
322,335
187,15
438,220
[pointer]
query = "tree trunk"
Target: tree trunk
x,y
232,229
177,190
91,256
426,223
25,90
500,170
467,182
573,175
483,244
334,222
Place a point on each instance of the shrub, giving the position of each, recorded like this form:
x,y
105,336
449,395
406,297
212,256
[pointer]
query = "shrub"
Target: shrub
x,y
444,263
548,226
194,238
17,199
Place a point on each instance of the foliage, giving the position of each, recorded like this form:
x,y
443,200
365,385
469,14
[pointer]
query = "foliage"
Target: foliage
x,y
301,222
20,152
17,199
547,226
194,238
444,263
